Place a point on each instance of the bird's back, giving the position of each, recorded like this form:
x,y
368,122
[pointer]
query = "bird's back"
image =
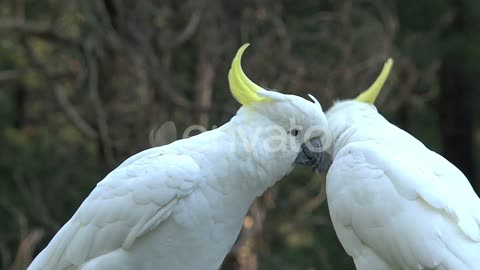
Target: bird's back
x,y
394,202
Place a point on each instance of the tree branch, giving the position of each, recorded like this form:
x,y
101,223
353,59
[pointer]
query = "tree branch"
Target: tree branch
x,y
38,30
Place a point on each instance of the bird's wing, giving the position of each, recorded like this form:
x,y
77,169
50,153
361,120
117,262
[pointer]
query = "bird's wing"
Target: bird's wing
x,y
398,206
129,202
454,178
369,260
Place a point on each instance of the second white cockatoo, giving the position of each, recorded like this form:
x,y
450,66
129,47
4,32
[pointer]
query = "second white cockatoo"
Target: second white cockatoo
x,y
394,203
181,206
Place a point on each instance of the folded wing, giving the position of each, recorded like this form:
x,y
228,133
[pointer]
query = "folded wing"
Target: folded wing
x,y
405,210
132,200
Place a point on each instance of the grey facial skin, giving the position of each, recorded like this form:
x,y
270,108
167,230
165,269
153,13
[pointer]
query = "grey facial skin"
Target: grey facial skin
x,y
313,155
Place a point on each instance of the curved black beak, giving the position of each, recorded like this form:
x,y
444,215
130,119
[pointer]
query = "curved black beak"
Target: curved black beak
x,y
313,155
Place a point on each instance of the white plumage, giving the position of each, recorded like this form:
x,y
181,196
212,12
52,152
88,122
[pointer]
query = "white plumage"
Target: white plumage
x,y
181,206
394,203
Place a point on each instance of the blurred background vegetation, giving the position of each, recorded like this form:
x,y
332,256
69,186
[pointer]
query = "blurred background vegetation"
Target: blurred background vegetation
x,y
84,83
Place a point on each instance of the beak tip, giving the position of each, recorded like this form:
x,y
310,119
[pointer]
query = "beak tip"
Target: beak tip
x,y
317,158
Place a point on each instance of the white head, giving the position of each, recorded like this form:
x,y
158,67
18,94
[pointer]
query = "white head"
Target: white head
x,y
289,128
346,115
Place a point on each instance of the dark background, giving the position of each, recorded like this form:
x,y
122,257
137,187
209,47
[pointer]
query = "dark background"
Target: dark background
x,y
83,84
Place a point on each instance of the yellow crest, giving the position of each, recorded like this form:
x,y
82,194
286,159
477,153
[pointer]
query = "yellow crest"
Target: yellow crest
x,y
372,92
242,88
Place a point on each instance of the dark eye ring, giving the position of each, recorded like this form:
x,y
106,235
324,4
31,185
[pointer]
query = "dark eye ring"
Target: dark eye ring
x,y
294,132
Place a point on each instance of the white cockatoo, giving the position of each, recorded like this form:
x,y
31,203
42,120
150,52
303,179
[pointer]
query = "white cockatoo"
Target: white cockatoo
x,y
394,203
181,206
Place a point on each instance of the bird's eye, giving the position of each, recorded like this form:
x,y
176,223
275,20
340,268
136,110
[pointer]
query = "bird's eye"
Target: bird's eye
x,y
294,132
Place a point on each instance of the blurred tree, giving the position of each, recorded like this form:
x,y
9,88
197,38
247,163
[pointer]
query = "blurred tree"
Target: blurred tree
x,y
455,105
84,83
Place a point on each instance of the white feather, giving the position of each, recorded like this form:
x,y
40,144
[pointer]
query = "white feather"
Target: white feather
x,y
181,206
128,203
394,202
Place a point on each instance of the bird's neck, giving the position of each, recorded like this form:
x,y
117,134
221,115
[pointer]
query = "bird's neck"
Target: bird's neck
x,y
259,166
235,152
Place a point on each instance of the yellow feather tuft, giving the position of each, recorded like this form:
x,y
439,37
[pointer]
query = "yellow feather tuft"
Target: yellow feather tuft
x,y
242,88
372,92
